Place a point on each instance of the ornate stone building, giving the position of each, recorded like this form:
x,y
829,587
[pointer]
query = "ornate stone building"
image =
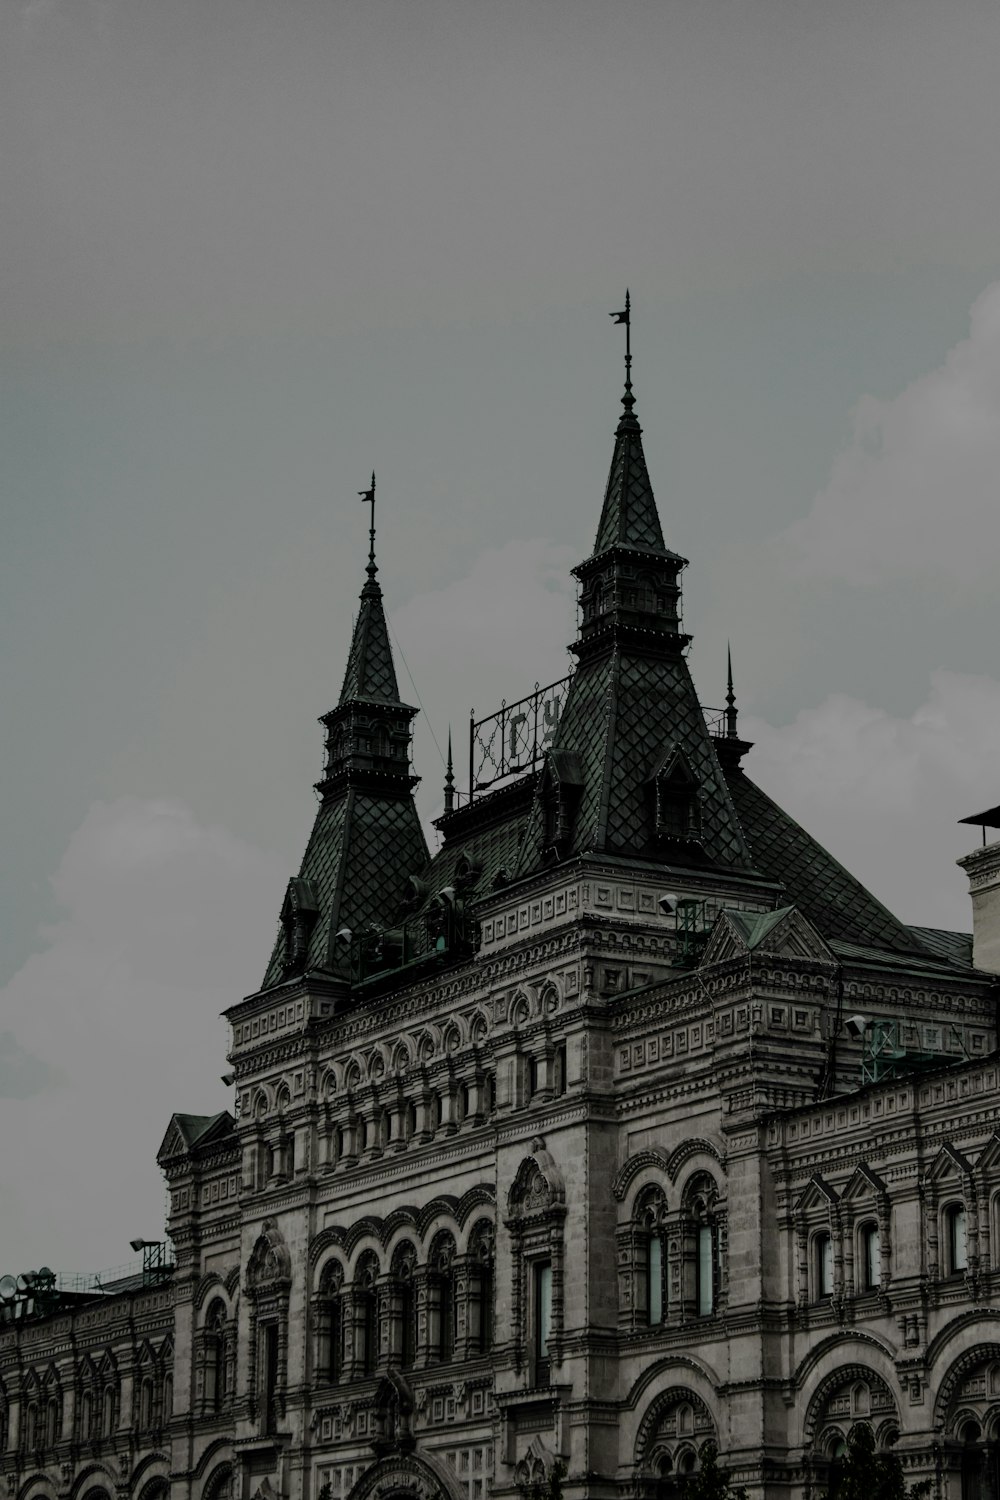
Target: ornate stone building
x,y
628,1120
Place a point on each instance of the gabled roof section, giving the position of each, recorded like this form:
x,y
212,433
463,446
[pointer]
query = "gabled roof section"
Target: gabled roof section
x,y
629,517
187,1131
370,674
785,932
835,901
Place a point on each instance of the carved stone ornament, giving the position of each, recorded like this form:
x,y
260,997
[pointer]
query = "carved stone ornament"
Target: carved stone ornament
x,y
270,1263
539,1186
417,1477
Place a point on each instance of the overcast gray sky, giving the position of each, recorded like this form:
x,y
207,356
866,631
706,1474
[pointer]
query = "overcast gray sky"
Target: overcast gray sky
x,y
253,248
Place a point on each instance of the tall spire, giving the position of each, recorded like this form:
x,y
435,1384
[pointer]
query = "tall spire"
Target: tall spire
x,y
370,674
449,780
628,517
730,697
367,836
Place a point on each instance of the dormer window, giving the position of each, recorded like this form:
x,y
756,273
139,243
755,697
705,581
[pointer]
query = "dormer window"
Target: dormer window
x,y
298,917
676,799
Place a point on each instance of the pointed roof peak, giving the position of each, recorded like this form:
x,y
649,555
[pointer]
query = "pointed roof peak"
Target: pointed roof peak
x,y
449,779
629,517
370,673
730,696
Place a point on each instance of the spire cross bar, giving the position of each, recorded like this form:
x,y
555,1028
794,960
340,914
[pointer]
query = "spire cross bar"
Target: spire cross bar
x,y
368,496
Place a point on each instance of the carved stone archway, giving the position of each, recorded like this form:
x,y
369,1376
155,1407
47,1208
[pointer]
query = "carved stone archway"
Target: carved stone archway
x,y
408,1476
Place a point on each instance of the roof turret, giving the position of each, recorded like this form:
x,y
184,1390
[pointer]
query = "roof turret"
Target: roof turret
x,y
367,837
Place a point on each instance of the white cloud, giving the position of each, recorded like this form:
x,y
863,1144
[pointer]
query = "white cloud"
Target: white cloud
x,y
115,1024
915,493
883,794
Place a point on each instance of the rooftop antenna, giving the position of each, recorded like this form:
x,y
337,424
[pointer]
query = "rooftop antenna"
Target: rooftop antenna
x,y
625,316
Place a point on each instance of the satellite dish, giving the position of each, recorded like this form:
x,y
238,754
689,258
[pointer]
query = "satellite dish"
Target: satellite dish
x,y
8,1288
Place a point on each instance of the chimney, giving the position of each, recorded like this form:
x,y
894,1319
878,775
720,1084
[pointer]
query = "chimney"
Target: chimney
x,y
983,869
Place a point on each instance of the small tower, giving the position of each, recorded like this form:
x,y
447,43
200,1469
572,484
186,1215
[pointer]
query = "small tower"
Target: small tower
x,y
367,838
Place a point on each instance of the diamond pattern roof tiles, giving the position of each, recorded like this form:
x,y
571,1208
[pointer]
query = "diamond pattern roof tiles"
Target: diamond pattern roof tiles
x,y
834,900
370,672
624,712
361,850
629,517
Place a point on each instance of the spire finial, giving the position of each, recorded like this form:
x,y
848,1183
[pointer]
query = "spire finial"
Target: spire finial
x,y
449,780
625,316
368,496
730,696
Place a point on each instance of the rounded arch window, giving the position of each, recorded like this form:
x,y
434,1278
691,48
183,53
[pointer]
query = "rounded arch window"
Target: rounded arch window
x,y
956,1239
700,1198
404,1310
330,1322
651,1227
366,1294
442,1301
869,1257
482,1287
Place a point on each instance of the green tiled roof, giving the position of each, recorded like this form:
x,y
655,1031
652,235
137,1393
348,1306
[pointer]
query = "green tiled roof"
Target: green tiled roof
x,y
370,674
629,517
836,903
494,845
367,837
753,926
956,947
361,851
625,713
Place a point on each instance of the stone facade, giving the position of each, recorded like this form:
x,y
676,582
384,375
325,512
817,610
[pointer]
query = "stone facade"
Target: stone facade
x,y
583,1141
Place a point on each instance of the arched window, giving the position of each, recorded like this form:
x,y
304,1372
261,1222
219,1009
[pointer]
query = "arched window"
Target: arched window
x,y
85,1421
330,1324
404,1333
168,1396
441,1284
869,1258
52,1424
651,1215
145,1403
215,1357
53,1410
822,1256
481,1288
705,1244
108,1407
956,1244
366,1295
31,1426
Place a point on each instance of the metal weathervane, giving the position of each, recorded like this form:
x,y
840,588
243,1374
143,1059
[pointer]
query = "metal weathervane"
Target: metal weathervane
x,y
625,316
368,496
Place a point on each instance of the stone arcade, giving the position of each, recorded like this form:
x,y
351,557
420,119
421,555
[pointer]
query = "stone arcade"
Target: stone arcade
x,y
628,1120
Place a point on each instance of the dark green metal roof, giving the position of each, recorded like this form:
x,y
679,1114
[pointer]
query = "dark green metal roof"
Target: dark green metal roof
x,y
367,839
836,903
629,517
370,675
